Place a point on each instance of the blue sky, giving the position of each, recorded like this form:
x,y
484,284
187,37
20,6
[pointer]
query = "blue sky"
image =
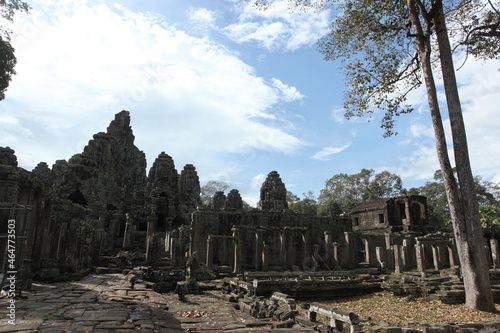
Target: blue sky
x,y
235,91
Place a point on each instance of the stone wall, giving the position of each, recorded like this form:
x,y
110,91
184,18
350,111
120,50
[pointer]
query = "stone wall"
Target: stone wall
x,y
81,208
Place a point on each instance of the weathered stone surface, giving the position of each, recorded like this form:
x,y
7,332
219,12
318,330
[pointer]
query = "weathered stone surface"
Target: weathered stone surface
x,y
81,206
7,156
162,194
273,193
233,200
219,200
189,190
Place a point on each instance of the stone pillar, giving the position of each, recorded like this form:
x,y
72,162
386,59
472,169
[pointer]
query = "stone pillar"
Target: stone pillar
x,y
237,257
258,248
349,249
420,257
495,253
237,250
398,259
151,228
283,246
210,251
265,257
380,252
367,252
127,235
453,255
327,258
335,247
408,261
315,257
176,253
305,243
437,256
389,259
155,249
408,213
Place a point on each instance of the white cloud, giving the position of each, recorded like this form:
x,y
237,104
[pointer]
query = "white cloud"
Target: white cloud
x,y
202,17
479,92
279,26
325,153
86,63
288,94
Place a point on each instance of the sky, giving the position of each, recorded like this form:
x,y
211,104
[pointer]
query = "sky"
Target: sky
x,y
233,90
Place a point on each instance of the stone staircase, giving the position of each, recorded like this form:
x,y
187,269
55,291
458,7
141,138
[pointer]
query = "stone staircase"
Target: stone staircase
x,y
446,289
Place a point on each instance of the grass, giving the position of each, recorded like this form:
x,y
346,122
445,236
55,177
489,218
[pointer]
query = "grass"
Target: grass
x,y
383,306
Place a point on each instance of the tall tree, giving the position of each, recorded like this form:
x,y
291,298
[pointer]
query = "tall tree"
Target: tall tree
x,y
308,205
387,48
343,191
7,58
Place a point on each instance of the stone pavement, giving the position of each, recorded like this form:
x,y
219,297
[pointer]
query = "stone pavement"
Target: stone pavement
x,y
106,303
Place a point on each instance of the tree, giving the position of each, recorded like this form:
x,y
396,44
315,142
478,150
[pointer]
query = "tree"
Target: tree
x,y
439,212
387,48
343,192
7,58
308,205
347,190
387,185
208,190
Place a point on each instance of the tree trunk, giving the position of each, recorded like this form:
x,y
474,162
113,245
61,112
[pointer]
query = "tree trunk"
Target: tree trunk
x,y
465,215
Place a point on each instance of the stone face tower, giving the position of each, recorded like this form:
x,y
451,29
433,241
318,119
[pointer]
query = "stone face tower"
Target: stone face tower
x,y
273,193
162,193
233,200
189,190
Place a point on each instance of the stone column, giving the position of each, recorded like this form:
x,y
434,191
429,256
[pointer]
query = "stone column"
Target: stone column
x,y
127,235
453,255
408,261
398,260
155,248
349,249
316,256
258,248
495,253
327,258
335,248
237,258
379,251
420,257
305,243
388,255
265,257
367,251
408,213
437,256
237,250
283,246
210,250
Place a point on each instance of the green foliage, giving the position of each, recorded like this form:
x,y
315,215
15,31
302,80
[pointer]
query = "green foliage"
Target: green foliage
x,y
376,44
7,63
488,195
380,64
343,191
7,58
490,216
308,205
477,28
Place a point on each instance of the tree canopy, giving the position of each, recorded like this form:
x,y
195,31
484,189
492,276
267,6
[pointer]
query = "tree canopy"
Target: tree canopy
x,y
348,191
7,58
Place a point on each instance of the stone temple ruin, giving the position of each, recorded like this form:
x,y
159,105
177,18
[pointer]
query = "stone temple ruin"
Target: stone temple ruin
x,y
100,211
